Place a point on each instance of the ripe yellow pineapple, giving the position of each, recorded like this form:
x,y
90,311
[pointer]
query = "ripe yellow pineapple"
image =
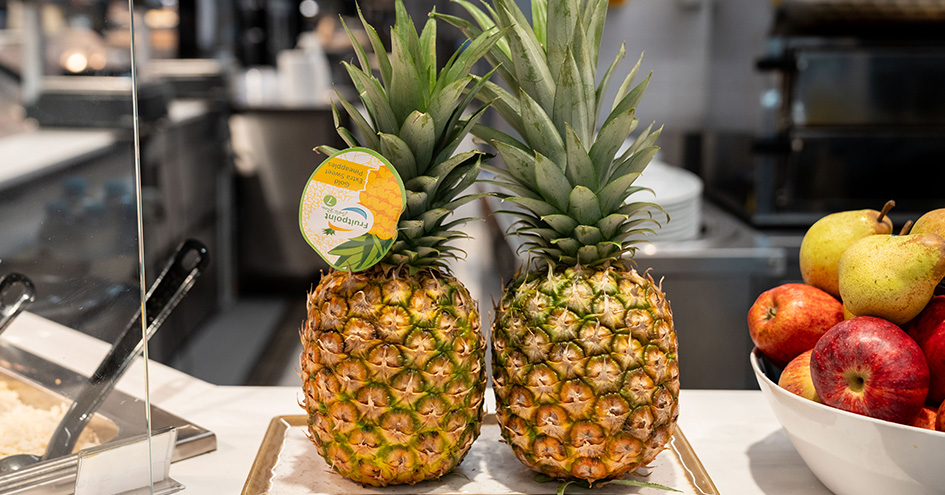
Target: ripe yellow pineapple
x,y
584,348
393,360
395,374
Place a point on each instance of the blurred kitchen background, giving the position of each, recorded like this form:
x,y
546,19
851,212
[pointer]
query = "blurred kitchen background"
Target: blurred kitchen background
x,y
774,114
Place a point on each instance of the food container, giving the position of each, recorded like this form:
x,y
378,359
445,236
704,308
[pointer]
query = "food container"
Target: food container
x,y
42,384
854,454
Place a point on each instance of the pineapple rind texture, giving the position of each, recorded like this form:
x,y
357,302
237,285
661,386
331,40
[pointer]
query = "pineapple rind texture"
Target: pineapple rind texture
x,y
393,369
585,371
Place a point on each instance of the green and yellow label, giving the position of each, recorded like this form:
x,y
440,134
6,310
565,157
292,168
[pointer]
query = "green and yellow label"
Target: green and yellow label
x,y
350,208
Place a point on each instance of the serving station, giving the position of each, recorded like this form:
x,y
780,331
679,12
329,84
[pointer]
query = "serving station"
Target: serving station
x,y
734,433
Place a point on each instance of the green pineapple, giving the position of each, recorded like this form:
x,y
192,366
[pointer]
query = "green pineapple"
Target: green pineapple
x,y
393,360
584,348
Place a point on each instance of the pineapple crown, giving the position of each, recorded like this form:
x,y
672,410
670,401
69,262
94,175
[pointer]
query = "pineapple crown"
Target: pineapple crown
x,y
415,119
568,180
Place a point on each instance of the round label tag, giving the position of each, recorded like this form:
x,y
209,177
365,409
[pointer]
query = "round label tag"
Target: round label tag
x,y
350,208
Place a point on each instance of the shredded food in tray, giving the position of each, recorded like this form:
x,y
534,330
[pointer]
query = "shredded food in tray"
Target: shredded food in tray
x,y
25,429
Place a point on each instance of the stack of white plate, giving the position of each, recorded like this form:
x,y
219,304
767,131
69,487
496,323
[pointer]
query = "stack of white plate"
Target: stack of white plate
x,y
679,192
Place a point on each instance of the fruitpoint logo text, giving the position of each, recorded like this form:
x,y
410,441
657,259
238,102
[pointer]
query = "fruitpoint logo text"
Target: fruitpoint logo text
x,y
352,219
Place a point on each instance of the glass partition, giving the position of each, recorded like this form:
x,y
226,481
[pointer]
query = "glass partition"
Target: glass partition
x,y
72,254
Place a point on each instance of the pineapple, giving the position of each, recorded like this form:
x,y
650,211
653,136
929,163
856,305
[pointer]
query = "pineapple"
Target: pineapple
x,y
584,348
393,360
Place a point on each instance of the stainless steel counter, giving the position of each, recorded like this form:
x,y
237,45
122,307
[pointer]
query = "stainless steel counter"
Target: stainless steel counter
x,y
711,282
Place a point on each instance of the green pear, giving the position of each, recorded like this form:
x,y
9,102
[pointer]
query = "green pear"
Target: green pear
x,y
830,236
891,276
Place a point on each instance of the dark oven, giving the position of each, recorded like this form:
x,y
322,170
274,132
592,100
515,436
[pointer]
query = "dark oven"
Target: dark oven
x,y
853,114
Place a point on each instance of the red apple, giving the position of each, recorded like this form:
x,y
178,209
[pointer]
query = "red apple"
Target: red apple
x,y
925,419
867,365
928,329
796,377
789,319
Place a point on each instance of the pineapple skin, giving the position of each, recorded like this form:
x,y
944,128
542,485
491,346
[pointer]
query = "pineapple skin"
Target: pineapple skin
x,y
393,369
585,371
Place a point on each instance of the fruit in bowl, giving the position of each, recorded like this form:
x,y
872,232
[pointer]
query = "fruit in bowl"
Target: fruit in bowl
x,y
796,377
851,453
867,365
928,330
789,319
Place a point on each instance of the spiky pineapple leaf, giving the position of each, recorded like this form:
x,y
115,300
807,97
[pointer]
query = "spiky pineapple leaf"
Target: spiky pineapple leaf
x,y
521,164
347,137
584,206
326,150
416,202
514,187
605,81
594,16
358,49
428,49
531,70
455,137
552,183
368,135
562,17
632,98
611,136
498,57
492,136
614,193
405,90
582,57
567,245
645,140
570,106
637,162
400,155
538,207
563,224
405,30
419,132
378,46
540,130
587,234
580,168
471,94
456,203
608,225
444,103
374,98
411,228
422,183
471,53
505,104
627,82
540,20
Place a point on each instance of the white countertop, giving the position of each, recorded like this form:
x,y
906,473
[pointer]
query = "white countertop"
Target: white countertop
x,y
734,433
30,154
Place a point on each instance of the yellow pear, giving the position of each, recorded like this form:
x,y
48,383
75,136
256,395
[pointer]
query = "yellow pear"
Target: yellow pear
x,y
847,314
891,276
830,236
932,222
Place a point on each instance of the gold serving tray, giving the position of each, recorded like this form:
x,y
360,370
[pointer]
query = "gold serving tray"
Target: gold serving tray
x,y
42,384
288,464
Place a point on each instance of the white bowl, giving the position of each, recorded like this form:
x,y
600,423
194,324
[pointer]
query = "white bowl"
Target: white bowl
x,y
854,454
